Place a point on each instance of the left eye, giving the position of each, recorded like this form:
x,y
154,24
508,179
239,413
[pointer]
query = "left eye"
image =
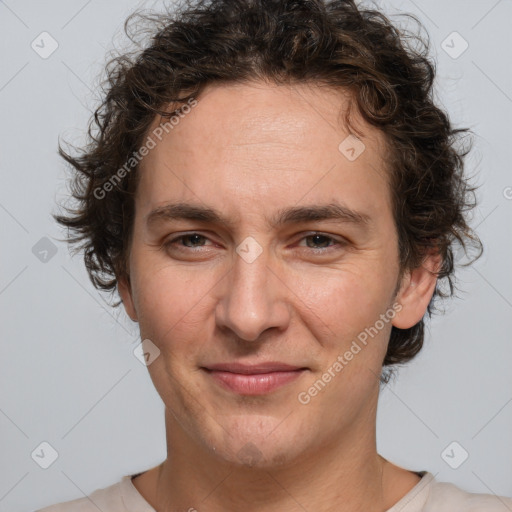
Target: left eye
x,y
318,239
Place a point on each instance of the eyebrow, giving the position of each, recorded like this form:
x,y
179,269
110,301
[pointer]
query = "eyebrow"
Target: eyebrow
x,y
292,215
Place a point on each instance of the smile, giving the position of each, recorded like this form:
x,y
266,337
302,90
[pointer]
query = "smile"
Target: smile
x,y
253,380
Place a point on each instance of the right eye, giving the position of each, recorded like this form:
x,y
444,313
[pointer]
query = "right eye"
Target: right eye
x,y
188,240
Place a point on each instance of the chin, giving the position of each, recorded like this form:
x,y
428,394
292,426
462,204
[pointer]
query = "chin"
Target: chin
x,y
260,442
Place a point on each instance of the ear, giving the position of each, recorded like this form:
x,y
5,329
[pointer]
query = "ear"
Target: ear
x,y
125,292
416,290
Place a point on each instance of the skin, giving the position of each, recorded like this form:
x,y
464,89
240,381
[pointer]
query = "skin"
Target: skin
x,y
249,150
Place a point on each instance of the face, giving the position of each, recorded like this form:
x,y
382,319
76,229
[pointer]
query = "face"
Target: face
x,y
262,253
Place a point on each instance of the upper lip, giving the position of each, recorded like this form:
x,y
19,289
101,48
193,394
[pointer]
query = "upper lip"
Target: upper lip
x,y
248,369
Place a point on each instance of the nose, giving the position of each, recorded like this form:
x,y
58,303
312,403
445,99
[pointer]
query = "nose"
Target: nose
x,y
253,299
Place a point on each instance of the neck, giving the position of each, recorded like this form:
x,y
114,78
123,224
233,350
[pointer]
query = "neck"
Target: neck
x,y
349,476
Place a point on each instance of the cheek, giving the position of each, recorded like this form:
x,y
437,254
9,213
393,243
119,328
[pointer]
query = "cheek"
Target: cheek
x,y
347,322
344,301
171,302
173,313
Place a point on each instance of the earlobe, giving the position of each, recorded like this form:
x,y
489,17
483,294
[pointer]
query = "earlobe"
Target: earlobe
x,y
125,292
416,291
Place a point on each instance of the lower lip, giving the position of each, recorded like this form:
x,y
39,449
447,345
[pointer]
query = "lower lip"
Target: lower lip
x,y
254,384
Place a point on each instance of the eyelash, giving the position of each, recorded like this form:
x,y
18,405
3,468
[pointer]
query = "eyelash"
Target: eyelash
x,y
171,243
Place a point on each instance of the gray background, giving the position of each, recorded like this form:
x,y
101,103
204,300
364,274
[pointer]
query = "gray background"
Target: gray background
x,y
68,375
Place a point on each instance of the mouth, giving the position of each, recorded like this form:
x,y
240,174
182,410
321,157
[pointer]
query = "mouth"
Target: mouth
x,y
258,379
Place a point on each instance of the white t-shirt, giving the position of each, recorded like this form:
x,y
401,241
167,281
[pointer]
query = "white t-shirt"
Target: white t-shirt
x,y
428,495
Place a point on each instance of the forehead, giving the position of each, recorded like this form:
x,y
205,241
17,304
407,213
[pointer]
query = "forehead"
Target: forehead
x,y
259,142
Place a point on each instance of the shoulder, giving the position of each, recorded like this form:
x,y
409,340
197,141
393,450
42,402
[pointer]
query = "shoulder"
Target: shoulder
x,y
115,497
448,497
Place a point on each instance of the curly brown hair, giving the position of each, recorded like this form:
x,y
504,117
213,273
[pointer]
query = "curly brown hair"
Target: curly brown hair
x,y
334,43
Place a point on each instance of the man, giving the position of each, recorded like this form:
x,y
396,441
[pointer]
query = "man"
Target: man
x,y
274,196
